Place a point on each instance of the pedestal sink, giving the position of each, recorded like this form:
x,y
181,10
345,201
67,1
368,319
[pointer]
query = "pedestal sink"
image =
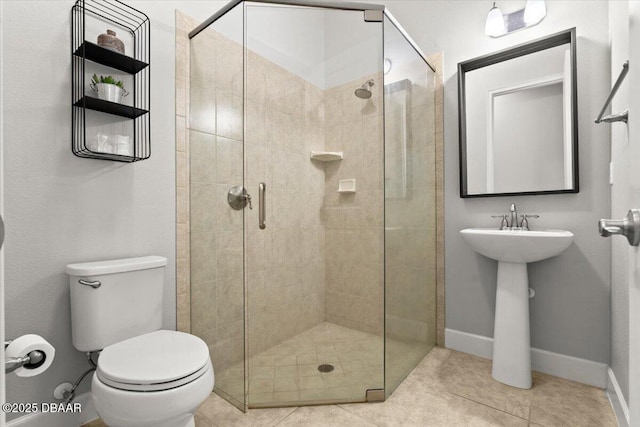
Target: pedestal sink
x,y
513,249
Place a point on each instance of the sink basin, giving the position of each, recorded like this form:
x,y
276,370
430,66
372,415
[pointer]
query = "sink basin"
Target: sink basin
x,y
517,245
513,249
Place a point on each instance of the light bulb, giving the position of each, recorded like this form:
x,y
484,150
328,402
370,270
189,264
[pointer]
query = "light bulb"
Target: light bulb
x,y
495,22
534,11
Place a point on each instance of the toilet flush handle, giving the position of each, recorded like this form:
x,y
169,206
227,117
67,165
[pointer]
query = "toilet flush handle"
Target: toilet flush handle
x,y
94,284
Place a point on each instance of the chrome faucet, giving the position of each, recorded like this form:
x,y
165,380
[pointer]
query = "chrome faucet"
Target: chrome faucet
x,y
513,223
510,221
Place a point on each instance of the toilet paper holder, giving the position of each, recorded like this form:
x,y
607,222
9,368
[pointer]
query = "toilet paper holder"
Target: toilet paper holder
x,y
32,360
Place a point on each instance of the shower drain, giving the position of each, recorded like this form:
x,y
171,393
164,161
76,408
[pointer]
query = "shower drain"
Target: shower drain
x,y
325,368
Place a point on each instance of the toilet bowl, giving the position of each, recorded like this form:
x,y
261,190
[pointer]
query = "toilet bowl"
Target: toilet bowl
x,y
145,376
157,379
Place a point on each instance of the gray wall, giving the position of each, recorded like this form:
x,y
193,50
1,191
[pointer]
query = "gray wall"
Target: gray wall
x,y
62,209
571,312
620,198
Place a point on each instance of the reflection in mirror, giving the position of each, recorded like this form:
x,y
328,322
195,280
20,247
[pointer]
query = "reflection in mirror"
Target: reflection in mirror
x,y
518,120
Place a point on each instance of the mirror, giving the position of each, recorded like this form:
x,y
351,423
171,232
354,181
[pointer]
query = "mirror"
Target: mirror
x,y
518,120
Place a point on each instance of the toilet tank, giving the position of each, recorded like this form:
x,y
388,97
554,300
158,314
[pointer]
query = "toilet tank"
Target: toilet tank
x,y
112,301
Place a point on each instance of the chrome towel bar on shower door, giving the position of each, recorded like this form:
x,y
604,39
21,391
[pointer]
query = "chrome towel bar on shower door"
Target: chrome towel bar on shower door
x,y
622,117
261,205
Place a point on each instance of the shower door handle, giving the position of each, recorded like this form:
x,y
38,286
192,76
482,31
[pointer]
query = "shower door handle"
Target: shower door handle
x,y
261,205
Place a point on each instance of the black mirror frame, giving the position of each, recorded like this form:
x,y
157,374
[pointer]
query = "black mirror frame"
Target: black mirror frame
x,y
563,37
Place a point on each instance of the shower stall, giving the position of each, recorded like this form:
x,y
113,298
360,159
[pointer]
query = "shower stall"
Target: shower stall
x,y
312,201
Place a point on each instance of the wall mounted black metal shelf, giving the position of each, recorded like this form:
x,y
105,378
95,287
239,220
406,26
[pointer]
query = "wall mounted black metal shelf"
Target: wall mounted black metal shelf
x,y
109,107
110,58
89,133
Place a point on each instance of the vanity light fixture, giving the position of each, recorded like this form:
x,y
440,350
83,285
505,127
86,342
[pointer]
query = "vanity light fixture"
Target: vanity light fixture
x,y
495,22
498,25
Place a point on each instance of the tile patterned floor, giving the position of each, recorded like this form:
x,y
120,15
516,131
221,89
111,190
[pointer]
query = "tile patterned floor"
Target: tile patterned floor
x,y
288,372
447,388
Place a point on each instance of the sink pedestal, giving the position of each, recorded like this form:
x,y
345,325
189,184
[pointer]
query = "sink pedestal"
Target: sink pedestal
x,y
513,249
511,341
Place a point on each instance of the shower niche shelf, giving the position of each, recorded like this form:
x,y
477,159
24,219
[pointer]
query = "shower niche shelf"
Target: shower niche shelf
x,y
133,120
326,156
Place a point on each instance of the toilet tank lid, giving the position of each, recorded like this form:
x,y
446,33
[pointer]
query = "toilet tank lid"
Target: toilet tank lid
x,y
115,266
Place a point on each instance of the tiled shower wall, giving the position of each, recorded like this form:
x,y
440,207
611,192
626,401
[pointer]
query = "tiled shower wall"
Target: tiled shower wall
x,y
215,165
282,108
285,261
354,221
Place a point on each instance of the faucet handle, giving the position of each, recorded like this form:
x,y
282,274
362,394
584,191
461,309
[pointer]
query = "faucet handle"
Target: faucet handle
x,y
504,224
525,223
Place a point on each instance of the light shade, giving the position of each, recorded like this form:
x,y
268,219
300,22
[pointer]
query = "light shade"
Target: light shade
x,y
495,22
534,11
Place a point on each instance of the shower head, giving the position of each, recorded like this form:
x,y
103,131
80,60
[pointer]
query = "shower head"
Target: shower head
x,y
363,92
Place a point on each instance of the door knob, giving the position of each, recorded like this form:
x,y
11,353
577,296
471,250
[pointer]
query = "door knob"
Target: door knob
x,y
628,227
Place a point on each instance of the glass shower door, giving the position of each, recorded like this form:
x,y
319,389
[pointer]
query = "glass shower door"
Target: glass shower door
x,y
314,272
216,138
410,207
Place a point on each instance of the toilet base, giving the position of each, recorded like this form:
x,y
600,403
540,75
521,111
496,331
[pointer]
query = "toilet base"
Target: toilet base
x,y
175,407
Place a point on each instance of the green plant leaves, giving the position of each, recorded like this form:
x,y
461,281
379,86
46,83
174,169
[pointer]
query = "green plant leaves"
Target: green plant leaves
x,y
108,80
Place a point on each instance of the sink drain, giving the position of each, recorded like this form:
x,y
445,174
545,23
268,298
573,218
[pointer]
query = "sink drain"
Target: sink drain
x,y
325,368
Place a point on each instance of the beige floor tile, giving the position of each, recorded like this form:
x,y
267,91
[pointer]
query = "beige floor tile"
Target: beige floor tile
x,y
262,372
328,357
260,385
223,414
429,396
202,421
286,371
95,423
307,358
386,414
286,384
286,360
324,416
306,383
308,370
470,377
558,402
448,410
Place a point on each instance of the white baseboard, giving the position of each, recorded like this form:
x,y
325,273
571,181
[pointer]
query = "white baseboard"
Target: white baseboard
x,y
567,367
617,400
60,419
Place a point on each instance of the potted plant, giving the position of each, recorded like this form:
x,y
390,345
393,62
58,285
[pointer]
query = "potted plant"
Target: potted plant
x,y
108,88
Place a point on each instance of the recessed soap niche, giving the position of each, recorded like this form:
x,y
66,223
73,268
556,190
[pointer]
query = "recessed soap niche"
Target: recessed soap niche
x,y
347,186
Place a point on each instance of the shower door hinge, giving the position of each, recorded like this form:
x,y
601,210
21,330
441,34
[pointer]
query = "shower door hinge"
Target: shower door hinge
x,y
373,15
375,395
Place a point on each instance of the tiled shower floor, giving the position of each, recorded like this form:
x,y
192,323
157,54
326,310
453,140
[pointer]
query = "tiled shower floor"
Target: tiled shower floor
x,y
288,372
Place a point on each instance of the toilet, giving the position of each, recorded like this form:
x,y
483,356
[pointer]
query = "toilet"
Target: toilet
x,y
145,376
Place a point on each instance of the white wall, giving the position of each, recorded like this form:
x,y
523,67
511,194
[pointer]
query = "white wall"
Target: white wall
x,y
570,313
620,197
62,209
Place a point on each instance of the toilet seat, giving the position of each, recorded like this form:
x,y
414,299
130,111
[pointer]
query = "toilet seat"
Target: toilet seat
x,y
156,361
